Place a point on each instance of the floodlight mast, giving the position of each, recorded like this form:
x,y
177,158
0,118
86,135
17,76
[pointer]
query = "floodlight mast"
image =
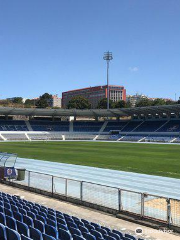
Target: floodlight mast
x,y
108,57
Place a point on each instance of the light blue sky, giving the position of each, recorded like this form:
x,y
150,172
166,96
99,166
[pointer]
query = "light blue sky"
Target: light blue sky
x,y
58,45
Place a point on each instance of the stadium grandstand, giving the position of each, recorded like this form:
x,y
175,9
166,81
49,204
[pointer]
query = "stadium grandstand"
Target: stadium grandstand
x,y
21,219
25,219
145,124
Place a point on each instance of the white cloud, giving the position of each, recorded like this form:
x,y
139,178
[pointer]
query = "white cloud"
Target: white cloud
x,y
133,69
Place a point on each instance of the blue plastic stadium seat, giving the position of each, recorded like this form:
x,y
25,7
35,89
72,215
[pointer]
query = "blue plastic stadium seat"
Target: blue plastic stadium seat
x,y
59,220
35,210
35,233
115,235
22,228
1,209
43,214
31,215
89,227
25,238
97,234
75,218
28,221
51,222
3,232
107,237
85,221
6,200
107,229
47,237
64,235
118,233
79,223
26,208
77,237
130,236
23,211
8,212
103,231
2,218
58,213
51,231
71,224
83,229
7,205
41,218
18,216
75,231
89,236
68,219
14,208
39,225
11,223
12,234
97,226
52,217
63,226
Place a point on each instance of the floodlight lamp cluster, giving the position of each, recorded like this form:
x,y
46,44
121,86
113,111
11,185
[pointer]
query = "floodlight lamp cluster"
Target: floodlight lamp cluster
x,y
108,56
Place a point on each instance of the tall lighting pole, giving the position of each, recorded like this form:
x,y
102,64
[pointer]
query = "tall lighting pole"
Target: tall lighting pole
x,y
108,57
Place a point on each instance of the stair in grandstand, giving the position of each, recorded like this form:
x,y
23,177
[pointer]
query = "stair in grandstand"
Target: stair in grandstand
x,y
137,126
173,140
103,127
161,126
170,126
121,138
131,125
28,126
2,138
71,126
27,136
95,137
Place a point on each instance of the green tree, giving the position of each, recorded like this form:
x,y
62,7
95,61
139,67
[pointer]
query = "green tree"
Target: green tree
x,y
128,104
120,104
30,103
158,102
103,104
44,101
79,102
170,102
144,102
18,100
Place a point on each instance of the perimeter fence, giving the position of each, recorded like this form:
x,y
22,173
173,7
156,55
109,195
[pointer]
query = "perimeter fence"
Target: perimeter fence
x,y
144,205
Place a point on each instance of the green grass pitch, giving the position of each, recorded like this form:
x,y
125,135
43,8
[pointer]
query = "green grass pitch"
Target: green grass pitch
x,y
155,159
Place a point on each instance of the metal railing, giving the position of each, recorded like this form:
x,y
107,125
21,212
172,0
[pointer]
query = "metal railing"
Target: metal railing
x,y
162,209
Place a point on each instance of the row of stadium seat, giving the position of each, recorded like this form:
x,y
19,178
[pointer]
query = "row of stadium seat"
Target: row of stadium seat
x,y
24,220
57,136
93,126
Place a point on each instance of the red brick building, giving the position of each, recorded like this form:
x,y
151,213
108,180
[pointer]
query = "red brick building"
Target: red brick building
x,y
95,94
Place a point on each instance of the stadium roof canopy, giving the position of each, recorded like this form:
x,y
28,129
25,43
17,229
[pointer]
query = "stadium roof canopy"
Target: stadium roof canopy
x,y
123,112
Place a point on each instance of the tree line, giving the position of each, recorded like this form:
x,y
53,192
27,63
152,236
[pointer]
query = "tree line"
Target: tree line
x,y
42,102
80,102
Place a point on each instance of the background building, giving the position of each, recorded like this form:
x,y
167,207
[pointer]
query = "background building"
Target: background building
x,y
55,101
133,99
95,94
